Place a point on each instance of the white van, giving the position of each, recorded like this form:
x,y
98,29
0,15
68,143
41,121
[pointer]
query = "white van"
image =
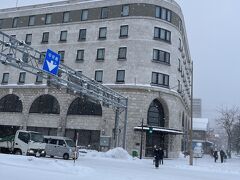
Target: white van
x,y
60,147
198,152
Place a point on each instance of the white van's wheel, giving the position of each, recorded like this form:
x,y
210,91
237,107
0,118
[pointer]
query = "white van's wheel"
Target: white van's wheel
x,y
66,156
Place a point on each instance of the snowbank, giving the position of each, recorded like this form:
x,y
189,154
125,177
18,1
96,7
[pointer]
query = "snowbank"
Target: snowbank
x,y
116,153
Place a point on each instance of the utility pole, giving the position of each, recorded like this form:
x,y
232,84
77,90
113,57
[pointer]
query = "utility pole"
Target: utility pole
x,y
191,125
141,143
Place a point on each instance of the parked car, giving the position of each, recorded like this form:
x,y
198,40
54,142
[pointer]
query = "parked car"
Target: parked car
x,y
57,146
198,152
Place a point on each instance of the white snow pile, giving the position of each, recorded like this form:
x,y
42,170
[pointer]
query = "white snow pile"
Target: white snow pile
x,y
116,153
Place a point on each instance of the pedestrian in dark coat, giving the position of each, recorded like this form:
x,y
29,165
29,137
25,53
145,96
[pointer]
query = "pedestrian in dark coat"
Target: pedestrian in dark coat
x,y
222,155
215,155
157,157
161,155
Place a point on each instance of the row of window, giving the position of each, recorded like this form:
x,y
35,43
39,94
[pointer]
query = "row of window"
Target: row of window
x,y
82,35
159,34
157,78
160,12
158,55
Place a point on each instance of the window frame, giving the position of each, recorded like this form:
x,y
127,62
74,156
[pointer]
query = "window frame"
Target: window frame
x,y
62,55
61,36
47,18
101,76
166,56
22,78
165,79
128,10
98,54
31,20
122,30
80,38
64,20
158,33
82,14
163,13
15,22
77,57
5,78
26,39
39,77
104,13
104,33
125,53
44,37
118,80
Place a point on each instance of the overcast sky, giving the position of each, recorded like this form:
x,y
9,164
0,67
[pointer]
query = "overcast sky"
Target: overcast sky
x,y
213,30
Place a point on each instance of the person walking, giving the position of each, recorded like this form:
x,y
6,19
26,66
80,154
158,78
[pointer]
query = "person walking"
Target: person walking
x,y
222,155
215,155
161,155
157,157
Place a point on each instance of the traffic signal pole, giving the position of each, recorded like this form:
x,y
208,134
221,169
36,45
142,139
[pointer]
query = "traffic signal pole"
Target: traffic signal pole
x,y
141,144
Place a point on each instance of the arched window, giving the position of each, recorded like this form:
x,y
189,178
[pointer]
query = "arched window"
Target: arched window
x,y
11,103
156,114
83,106
45,104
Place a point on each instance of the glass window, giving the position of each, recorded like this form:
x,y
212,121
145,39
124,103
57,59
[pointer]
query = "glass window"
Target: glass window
x,y
63,36
46,104
53,141
23,136
158,12
5,78
25,57
48,19
28,39
160,79
162,34
10,103
39,78
82,34
45,37
162,56
66,17
83,106
31,21
42,57
100,54
61,143
61,53
104,12
15,22
122,53
84,15
80,55
120,76
22,77
98,75
102,33
163,13
125,10
124,31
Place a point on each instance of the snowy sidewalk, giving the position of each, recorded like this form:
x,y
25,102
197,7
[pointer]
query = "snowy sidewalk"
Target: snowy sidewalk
x,y
115,165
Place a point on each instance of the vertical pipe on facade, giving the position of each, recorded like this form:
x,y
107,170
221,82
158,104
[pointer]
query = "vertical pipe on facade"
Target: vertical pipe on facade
x,y
125,125
191,125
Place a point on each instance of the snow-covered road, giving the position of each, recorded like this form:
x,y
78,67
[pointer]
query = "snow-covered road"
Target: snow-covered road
x,y
94,166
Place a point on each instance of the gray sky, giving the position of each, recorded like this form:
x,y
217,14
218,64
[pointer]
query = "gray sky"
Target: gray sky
x,y
214,38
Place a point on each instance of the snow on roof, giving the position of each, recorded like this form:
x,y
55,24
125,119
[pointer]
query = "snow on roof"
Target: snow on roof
x,y
200,124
